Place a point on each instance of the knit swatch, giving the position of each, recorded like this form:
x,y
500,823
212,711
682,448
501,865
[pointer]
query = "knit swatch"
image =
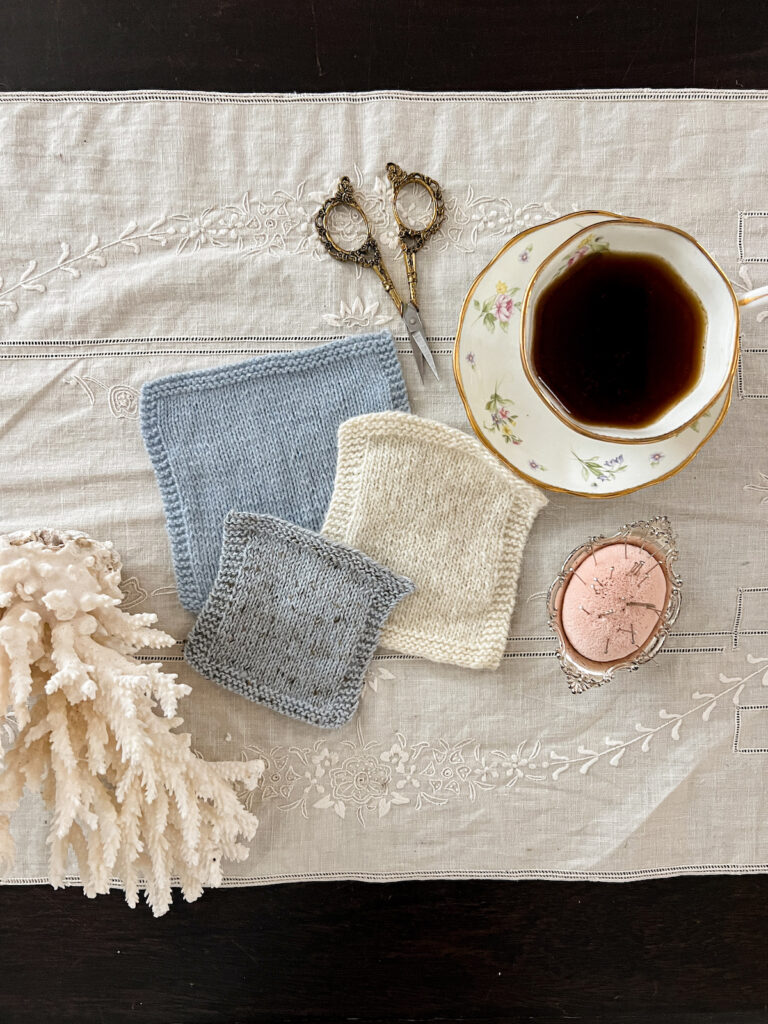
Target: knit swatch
x,y
432,503
259,436
293,619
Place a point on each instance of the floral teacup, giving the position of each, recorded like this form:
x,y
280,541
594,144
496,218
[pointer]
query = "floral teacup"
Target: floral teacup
x,y
703,276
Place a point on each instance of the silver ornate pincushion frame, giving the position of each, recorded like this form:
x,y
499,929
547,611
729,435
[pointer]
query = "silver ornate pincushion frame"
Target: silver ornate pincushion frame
x,y
657,539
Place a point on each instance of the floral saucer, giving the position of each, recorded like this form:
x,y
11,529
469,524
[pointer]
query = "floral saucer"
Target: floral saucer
x,y
511,419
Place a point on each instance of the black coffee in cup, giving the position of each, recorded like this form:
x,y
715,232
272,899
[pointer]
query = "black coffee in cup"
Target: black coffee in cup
x,y
618,338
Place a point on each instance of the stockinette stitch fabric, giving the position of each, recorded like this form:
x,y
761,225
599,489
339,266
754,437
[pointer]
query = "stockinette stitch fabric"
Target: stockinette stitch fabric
x,y
259,436
432,503
293,619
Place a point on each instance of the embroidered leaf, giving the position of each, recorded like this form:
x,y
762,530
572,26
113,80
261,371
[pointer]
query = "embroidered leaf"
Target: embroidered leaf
x,y
98,258
708,710
559,771
701,696
341,810
586,750
65,253
737,694
9,306
384,806
135,247
556,757
612,743
93,244
727,680
666,714
645,745
159,222
128,230
676,729
617,756
31,268
587,765
755,661
398,798
642,728
72,271
33,287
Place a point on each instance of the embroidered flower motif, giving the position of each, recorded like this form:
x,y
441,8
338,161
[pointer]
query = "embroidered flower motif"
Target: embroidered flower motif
x,y
361,779
325,759
396,756
134,592
357,315
123,401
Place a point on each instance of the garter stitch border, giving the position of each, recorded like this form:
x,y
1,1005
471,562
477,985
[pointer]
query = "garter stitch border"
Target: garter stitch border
x,y
207,651
440,442
380,343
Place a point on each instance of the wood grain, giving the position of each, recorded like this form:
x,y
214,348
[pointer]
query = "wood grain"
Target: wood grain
x,y
679,951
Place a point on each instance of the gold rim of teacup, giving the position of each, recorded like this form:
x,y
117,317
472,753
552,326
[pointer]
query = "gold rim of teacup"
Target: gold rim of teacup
x,y
552,403
591,495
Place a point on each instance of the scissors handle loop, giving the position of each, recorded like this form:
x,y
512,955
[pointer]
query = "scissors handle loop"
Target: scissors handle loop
x,y
366,255
412,239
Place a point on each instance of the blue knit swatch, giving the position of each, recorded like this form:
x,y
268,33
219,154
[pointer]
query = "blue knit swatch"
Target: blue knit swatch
x,y
259,436
293,619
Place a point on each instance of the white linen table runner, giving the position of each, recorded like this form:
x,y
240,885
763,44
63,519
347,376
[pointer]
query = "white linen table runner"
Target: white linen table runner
x,y
148,233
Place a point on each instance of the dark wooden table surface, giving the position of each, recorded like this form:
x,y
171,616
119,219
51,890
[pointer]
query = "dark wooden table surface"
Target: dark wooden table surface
x,y
679,951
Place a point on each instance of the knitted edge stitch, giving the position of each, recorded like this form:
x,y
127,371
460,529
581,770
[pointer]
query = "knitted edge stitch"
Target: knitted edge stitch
x,y
354,436
381,343
199,651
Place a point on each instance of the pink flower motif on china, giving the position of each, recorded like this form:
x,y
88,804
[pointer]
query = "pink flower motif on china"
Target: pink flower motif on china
x,y
504,307
582,251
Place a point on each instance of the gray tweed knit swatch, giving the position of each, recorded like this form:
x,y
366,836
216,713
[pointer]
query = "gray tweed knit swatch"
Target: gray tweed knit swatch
x,y
258,436
293,619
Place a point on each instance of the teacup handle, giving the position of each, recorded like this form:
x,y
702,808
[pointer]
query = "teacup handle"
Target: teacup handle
x,y
755,295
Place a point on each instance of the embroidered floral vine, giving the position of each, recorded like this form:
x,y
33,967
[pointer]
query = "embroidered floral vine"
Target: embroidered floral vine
x,y
277,225
368,778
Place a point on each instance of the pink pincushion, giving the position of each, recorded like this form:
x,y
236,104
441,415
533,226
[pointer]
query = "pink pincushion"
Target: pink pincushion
x,y
613,602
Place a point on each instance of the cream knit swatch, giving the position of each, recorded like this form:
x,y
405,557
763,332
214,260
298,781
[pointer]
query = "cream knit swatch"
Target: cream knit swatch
x,y
432,504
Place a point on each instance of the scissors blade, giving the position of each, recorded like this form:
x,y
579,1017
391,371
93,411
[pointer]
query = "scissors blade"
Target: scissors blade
x,y
418,339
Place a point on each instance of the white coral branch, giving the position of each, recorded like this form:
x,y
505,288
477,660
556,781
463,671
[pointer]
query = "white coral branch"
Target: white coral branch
x,y
127,793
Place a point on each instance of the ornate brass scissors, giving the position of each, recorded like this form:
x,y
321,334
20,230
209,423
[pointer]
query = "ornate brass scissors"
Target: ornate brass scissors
x,y
368,254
